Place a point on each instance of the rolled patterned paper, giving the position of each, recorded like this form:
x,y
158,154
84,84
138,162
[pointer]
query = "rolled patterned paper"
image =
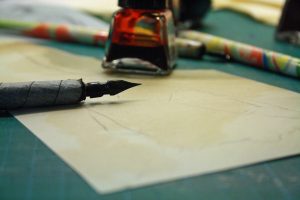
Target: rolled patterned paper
x,y
86,35
248,54
67,33
59,32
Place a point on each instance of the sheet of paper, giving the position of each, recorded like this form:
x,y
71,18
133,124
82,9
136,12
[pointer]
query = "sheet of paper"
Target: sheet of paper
x,y
32,12
94,6
266,11
190,123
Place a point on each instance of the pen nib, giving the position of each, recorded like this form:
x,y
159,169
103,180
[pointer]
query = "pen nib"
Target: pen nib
x,y
96,89
116,87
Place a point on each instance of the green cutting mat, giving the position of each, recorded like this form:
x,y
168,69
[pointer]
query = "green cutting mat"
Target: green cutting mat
x,y
30,170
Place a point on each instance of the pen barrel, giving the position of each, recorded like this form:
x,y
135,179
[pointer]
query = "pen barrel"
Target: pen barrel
x,y
40,94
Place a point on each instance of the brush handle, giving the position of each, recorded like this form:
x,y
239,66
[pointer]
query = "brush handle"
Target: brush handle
x,y
40,94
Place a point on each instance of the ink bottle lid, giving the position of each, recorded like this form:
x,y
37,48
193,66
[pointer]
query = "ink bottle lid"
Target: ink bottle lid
x,y
144,4
188,14
141,38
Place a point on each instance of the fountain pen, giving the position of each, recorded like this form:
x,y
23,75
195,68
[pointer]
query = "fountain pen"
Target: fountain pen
x,y
51,93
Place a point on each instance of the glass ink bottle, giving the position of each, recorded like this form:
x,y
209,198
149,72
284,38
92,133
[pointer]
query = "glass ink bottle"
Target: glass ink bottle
x,y
141,38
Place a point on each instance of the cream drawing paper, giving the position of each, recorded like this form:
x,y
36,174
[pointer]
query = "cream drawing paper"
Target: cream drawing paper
x,y
266,11
190,123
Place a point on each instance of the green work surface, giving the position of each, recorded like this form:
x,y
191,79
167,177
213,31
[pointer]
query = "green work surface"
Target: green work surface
x,y
30,170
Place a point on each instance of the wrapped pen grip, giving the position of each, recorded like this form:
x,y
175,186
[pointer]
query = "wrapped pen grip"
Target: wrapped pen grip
x,y
40,93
